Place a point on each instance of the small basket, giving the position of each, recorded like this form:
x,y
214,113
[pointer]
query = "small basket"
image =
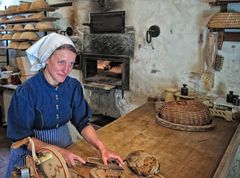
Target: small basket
x,y
185,112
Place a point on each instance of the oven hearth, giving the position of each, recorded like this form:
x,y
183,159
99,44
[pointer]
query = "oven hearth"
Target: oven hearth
x,y
106,69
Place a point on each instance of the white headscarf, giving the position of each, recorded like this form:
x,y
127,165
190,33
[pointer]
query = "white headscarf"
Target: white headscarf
x,y
40,51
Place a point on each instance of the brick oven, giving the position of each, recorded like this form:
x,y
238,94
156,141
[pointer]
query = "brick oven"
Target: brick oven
x,y
107,51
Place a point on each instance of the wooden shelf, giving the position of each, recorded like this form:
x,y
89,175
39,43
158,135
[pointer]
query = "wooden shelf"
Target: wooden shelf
x,y
223,2
28,11
19,40
27,20
33,30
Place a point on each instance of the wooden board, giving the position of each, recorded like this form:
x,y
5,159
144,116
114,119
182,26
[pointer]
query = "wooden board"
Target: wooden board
x,y
182,154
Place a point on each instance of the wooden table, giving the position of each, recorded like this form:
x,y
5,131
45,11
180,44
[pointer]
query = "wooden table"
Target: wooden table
x,y
182,154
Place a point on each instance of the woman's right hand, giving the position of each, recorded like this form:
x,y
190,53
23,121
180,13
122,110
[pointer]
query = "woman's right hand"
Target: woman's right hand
x,y
70,158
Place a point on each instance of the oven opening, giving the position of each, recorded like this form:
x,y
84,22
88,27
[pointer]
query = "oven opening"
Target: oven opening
x,y
108,68
105,69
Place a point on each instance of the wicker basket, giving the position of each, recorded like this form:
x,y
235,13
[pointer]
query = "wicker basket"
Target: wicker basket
x,y
185,112
225,20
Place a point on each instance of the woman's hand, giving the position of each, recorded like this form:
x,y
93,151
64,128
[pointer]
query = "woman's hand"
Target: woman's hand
x,y
110,155
90,135
70,158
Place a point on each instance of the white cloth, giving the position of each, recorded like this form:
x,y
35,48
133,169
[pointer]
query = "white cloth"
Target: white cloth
x,y
40,51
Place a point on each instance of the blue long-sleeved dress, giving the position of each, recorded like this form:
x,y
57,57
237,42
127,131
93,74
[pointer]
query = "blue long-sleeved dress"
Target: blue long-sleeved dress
x,y
40,110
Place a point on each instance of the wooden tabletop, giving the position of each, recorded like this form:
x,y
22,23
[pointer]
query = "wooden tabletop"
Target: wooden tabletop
x,y
182,154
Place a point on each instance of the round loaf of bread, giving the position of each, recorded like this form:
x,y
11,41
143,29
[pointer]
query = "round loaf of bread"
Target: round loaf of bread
x,y
29,36
18,27
24,45
12,9
23,6
18,17
7,36
16,36
29,27
3,19
39,15
9,27
39,4
44,25
14,45
143,163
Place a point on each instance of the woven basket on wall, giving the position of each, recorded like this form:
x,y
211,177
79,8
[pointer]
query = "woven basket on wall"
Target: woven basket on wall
x,y
185,112
225,20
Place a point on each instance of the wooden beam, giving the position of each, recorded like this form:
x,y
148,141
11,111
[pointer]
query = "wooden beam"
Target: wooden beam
x,y
231,36
64,4
220,3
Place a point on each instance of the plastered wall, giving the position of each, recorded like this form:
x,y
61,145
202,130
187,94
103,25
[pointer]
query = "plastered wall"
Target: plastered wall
x,y
173,57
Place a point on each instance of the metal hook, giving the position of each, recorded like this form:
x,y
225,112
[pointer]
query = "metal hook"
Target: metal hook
x,y
153,32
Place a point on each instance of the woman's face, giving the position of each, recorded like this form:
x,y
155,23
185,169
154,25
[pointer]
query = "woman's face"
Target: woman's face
x,y
59,65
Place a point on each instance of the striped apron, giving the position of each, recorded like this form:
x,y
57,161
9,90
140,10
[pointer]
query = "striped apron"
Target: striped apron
x,y
58,136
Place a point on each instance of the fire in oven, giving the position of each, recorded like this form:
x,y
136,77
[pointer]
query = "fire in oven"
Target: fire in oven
x,y
106,69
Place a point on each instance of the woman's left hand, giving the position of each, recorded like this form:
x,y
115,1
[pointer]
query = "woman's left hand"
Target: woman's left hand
x,y
108,155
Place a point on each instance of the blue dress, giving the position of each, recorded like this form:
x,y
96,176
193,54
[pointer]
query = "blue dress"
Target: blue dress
x,y
40,110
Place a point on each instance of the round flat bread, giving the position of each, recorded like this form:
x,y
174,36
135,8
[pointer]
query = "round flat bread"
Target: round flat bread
x,y
143,163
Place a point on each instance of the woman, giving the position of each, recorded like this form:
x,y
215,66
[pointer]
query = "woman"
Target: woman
x,y
41,107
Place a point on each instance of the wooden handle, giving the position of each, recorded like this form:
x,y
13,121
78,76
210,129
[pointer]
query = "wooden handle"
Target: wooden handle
x,y
26,141
19,143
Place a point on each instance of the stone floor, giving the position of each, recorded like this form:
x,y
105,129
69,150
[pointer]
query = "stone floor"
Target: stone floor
x,y
4,151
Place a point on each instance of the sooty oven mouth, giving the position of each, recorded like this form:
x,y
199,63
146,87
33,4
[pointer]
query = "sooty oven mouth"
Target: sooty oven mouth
x,y
106,69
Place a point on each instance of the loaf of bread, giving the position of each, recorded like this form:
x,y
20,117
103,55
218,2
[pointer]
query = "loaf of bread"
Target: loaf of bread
x,y
39,4
13,44
29,27
9,27
12,9
24,45
39,16
3,19
18,17
29,35
18,27
44,25
23,7
143,163
7,36
16,36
